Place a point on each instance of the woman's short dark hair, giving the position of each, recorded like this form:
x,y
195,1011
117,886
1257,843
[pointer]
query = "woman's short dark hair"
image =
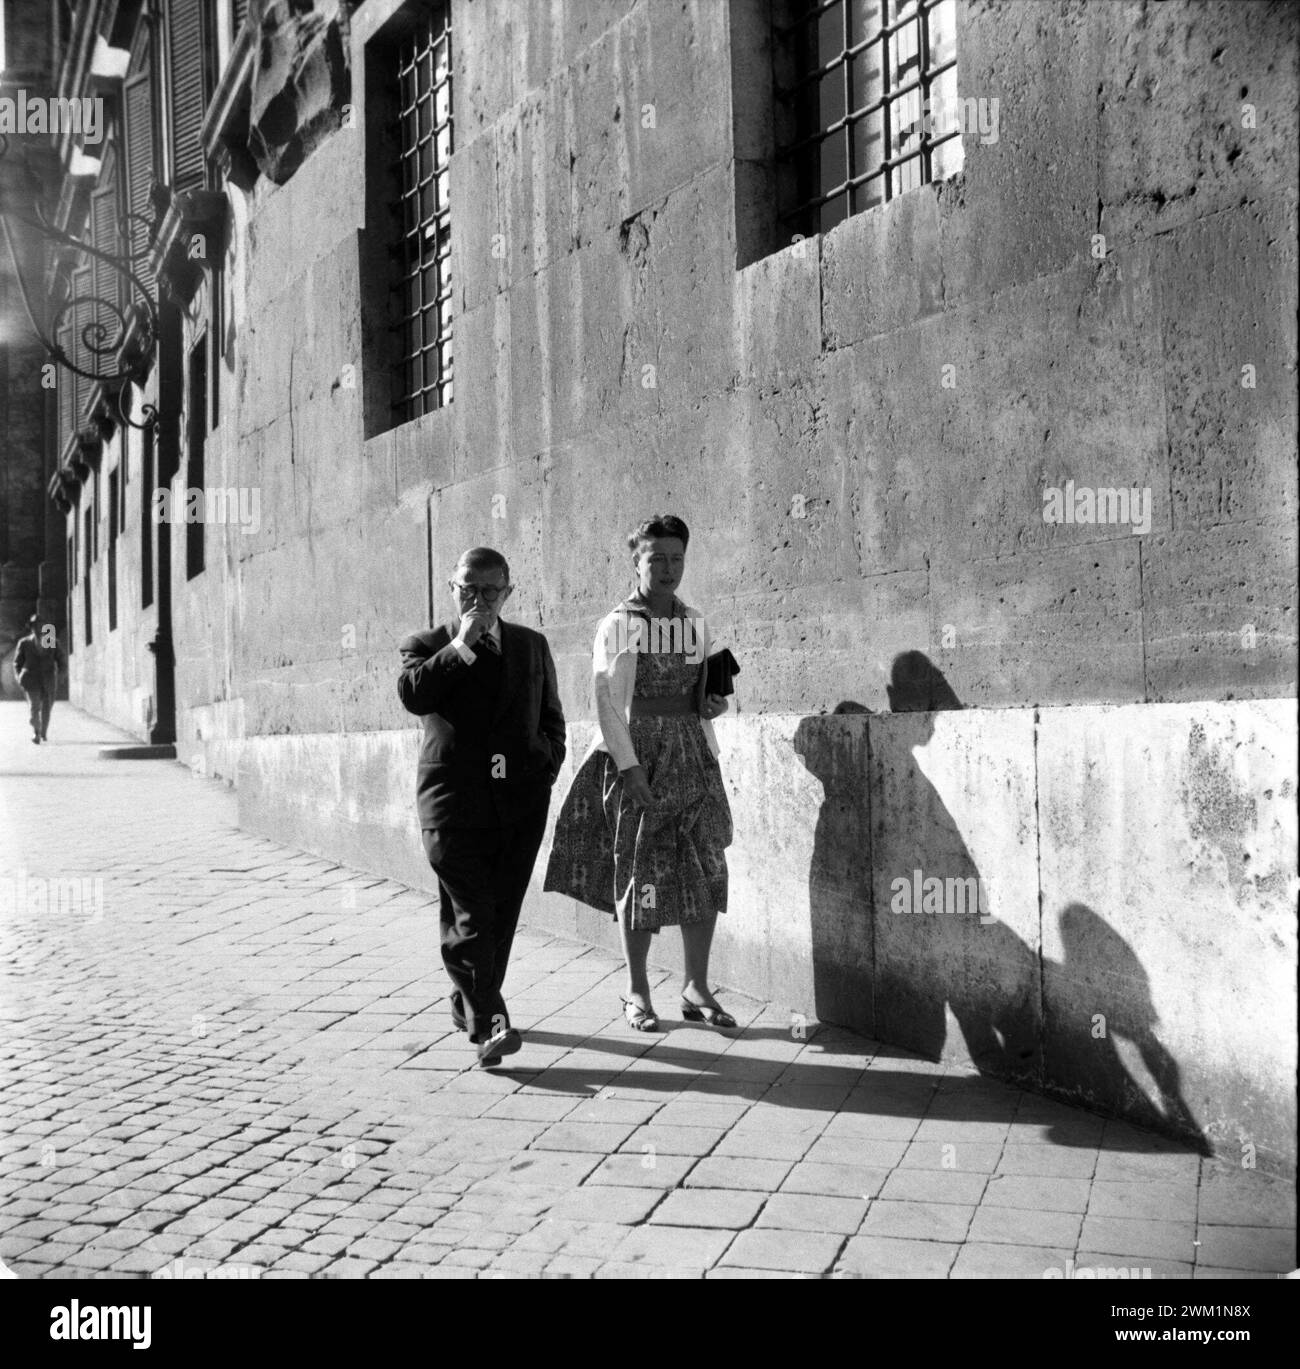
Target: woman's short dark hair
x,y
661,525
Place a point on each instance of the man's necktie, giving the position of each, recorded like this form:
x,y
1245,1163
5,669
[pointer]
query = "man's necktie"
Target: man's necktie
x,y
489,644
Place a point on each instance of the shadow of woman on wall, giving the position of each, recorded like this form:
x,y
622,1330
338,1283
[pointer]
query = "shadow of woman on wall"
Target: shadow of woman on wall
x,y
897,939
888,964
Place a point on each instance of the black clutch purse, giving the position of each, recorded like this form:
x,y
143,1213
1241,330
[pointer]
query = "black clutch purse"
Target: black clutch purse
x,y
718,671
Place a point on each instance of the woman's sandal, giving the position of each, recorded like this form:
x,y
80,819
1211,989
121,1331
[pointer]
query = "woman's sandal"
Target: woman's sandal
x,y
638,1018
715,1017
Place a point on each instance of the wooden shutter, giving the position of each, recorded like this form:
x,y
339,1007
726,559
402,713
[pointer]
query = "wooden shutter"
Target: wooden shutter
x,y
187,64
67,383
138,118
82,315
105,216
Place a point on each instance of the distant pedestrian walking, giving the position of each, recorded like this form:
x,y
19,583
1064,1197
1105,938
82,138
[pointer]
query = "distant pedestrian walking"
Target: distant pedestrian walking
x,y
36,666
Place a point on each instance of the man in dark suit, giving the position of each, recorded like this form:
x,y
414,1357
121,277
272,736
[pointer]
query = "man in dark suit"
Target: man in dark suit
x,y
493,745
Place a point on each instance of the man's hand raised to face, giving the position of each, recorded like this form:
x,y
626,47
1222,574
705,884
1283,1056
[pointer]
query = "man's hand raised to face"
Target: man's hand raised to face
x,y
474,623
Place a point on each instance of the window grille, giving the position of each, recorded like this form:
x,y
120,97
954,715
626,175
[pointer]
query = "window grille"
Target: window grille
x,y
424,131
868,93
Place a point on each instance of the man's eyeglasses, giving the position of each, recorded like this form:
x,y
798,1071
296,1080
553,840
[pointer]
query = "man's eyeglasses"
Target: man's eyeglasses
x,y
489,593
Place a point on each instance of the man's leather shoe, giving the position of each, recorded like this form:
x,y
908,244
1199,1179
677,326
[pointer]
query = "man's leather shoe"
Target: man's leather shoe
x,y
504,1042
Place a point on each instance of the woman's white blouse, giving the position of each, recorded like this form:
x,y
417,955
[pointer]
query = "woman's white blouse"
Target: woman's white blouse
x,y
618,639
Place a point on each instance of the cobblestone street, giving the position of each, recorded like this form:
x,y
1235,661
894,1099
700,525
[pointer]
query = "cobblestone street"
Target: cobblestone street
x,y
233,1055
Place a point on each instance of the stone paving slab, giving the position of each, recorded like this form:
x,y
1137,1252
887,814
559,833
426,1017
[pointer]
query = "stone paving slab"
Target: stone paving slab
x,y
227,1056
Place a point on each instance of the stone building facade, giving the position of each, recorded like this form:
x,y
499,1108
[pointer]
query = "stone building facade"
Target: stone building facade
x,y
899,438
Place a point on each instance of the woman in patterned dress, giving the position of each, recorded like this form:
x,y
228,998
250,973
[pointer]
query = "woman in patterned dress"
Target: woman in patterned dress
x,y
643,831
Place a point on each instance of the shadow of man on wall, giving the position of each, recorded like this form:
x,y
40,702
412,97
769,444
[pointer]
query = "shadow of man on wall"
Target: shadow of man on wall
x,y
1097,995
896,897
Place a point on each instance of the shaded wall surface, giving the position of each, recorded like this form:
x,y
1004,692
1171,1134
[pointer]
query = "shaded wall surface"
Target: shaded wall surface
x,y
860,429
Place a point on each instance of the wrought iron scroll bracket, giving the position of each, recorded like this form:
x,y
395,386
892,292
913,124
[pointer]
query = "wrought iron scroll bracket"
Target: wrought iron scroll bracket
x,y
110,323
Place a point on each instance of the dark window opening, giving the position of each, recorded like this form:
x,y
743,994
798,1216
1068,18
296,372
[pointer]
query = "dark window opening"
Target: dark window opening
x,y
113,511
146,519
85,580
194,474
216,331
70,615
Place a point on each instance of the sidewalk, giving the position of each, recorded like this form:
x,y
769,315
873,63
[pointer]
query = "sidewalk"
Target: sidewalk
x,y
227,1053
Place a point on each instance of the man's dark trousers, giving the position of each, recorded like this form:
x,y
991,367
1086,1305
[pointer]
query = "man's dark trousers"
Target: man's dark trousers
x,y
40,700
483,876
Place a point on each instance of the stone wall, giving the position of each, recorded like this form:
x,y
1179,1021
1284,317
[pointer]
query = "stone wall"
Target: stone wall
x,y
860,428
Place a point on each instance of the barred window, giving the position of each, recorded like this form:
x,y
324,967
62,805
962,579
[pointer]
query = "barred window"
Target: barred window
x,y
424,129
866,105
